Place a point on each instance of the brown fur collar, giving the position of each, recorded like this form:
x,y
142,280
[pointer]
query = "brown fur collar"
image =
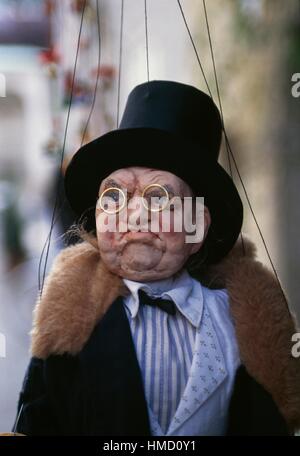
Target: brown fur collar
x,y
79,290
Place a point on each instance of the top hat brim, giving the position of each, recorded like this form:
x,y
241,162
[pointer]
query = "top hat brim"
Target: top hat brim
x,y
158,149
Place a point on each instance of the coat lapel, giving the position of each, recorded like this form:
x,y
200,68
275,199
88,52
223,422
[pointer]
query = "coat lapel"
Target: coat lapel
x,y
113,378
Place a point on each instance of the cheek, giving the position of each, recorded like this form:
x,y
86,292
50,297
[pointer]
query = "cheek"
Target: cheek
x,y
174,239
106,239
107,243
175,242
171,221
176,253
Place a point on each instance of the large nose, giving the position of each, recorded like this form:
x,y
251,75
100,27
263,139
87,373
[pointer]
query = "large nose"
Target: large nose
x,y
138,215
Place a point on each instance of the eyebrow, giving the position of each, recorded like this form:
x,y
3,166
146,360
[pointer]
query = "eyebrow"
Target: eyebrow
x,y
111,183
160,178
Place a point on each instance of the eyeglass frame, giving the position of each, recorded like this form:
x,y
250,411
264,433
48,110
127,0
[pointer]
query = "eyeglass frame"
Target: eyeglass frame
x,y
126,199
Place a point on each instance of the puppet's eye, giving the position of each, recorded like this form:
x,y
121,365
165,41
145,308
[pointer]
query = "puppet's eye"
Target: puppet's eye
x,y
155,197
114,195
112,200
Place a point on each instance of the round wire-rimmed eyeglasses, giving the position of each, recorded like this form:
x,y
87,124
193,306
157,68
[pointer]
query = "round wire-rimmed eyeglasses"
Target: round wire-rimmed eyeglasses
x,y
155,198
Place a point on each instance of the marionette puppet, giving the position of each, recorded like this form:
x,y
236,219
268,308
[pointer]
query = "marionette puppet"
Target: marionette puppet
x,y
144,331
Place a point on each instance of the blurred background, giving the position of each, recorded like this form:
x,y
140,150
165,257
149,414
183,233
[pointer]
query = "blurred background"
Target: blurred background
x,y
257,51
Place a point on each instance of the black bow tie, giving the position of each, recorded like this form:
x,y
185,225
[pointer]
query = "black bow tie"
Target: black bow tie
x,y
163,304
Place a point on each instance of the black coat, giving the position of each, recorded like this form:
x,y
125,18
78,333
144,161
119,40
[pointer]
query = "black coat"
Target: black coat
x,y
99,391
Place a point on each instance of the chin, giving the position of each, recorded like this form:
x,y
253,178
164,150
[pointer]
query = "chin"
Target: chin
x,y
145,276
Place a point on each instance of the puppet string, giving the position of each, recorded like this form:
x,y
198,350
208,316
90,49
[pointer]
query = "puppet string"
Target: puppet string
x,y
228,146
97,74
146,36
48,240
120,60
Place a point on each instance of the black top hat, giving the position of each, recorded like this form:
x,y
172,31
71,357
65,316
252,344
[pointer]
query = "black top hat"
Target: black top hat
x,y
169,126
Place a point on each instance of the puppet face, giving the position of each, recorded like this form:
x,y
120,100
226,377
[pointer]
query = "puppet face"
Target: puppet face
x,y
132,250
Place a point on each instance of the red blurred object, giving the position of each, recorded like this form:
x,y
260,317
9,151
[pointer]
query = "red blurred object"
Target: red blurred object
x,y
78,5
105,71
49,7
68,81
49,56
81,89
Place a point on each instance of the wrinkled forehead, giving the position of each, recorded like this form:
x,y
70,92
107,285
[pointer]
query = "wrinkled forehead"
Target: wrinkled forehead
x,y
138,177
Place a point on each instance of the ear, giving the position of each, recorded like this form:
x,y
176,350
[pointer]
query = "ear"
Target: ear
x,y
207,221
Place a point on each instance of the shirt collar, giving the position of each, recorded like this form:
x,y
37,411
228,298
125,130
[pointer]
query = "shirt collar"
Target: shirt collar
x,y
182,289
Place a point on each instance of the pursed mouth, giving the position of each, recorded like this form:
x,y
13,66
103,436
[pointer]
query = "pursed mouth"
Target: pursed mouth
x,y
140,235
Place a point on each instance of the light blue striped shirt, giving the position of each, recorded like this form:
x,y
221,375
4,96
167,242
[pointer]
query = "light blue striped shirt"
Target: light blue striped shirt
x,y
165,343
